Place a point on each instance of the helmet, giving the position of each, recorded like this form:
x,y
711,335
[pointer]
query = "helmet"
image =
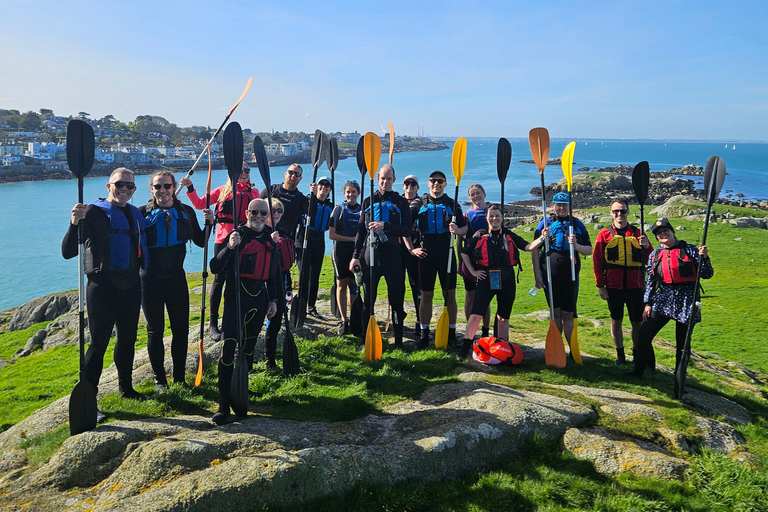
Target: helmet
x,y
560,198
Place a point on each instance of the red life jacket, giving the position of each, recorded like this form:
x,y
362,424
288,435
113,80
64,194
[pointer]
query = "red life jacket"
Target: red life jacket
x,y
285,247
674,266
482,257
256,258
225,207
492,350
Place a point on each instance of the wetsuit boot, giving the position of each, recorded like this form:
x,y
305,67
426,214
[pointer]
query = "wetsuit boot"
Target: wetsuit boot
x,y
423,340
125,386
398,319
225,385
466,345
452,340
620,357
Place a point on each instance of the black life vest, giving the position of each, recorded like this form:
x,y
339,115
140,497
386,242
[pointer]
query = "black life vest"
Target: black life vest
x,y
167,228
481,252
623,251
256,257
114,251
674,266
434,219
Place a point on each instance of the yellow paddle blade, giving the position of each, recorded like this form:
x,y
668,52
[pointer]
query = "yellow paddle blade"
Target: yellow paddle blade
x,y
575,351
554,350
567,162
372,153
245,91
372,340
441,333
391,143
538,138
459,158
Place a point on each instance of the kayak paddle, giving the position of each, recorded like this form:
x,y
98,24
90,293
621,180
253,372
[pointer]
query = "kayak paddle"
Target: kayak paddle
x,y
567,163
554,351
233,157
714,176
372,150
503,159
200,347
82,402
333,162
391,157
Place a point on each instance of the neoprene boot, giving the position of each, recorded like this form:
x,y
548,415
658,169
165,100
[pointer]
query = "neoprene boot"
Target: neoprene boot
x,y
270,347
452,340
466,345
398,319
125,386
486,332
225,385
620,357
423,340
214,326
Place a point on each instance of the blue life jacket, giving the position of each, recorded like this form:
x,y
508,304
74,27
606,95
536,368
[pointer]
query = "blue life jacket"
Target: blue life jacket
x,y
558,235
434,219
322,217
167,228
349,220
116,247
386,211
477,219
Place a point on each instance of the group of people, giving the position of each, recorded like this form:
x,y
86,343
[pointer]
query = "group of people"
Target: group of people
x,y
134,258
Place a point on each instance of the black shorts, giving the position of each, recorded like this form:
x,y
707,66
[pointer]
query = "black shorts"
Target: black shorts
x,y
563,293
342,255
632,298
435,265
505,297
470,282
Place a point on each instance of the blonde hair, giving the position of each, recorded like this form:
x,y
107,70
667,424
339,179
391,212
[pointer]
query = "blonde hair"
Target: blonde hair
x,y
477,186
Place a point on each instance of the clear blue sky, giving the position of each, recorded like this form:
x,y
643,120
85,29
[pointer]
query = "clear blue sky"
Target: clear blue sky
x,y
653,69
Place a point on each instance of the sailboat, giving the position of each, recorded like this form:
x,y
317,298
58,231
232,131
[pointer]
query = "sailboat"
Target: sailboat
x,y
726,146
734,146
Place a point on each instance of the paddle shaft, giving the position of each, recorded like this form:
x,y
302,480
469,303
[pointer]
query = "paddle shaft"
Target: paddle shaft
x,y
546,248
80,280
453,220
198,377
570,232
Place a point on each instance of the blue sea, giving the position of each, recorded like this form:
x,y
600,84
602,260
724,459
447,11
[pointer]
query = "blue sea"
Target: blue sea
x,y
37,213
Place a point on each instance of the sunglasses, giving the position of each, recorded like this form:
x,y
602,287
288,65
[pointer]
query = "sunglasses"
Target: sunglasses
x,y
619,212
124,184
411,184
246,171
439,181
158,186
351,181
324,184
263,213
277,210
294,173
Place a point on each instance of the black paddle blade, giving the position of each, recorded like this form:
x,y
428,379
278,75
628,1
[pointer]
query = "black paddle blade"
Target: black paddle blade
x,y
298,309
714,176
233,151
361,157
641,175
503,158
82,408
333,154
319,149
290,355
262,162
80,146
239,391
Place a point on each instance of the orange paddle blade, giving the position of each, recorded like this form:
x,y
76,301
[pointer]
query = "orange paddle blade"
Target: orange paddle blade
x,y
391,143
245,91
554,350
199,376
372,340
372,153
539,141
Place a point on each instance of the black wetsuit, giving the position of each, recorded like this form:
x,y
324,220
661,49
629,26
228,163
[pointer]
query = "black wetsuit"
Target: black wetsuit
x,y
164,284
411,265
270,341
255,295
112,297
387,257
295,204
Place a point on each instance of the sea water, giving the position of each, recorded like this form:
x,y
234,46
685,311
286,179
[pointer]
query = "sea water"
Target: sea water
x,y
37,213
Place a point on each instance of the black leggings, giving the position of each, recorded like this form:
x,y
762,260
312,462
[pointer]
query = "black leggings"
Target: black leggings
x,y
411,265
216,287
270,341
310,280
644,354
108,307
158,294
388,265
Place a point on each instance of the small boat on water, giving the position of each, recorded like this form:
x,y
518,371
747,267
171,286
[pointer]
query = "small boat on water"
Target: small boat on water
x,y
734,146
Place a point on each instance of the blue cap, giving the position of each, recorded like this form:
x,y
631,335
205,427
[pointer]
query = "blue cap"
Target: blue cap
x,y
560,198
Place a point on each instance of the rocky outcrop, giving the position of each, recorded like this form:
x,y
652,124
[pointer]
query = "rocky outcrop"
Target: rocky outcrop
x,y
41,309
188,464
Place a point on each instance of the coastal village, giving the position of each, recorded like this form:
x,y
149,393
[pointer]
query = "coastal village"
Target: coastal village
x,y
34,143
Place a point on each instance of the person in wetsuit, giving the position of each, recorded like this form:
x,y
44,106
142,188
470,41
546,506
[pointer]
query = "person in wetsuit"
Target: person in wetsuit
x,y
343,229
169,226
411,262
221,197
286,254
115,249
432,212
494,249
318,219
258,287
388,216
476,220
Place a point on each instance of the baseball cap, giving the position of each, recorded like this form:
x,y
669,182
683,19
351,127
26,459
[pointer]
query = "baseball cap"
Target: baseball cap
x,y
411,177
326,179
437,174
661,224
560,198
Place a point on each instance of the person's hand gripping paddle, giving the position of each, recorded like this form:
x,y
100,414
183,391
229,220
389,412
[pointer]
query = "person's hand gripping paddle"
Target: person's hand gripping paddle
x,y
567,163
458,163
714,176
82,402
299,304
233,157
372,150
554,350
290,351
